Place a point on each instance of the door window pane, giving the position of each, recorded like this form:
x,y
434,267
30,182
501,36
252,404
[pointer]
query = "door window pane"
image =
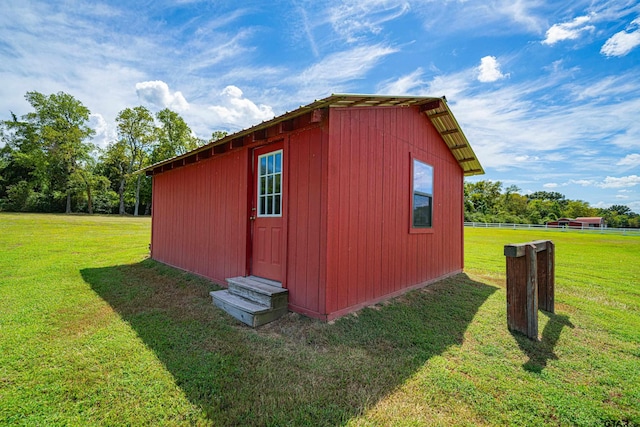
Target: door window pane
x,y
270,184
269,205
263,206
278,163
263,166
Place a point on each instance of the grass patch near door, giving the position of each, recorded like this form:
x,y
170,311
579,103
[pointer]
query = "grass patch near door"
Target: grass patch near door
x,y
94,333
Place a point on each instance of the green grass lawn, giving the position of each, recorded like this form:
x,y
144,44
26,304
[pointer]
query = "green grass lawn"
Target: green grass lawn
x,y
94,333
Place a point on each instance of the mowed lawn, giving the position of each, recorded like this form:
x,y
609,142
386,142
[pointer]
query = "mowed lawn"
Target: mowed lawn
x,y
94,333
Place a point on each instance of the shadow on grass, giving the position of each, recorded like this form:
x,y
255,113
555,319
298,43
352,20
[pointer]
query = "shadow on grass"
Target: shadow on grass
x,y
540,352
296,370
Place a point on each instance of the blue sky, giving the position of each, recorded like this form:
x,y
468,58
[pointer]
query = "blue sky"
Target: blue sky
x,y
547,92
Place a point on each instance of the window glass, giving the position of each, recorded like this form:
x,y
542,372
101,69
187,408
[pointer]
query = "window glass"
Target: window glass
x,y
263,166
269,184
421,203
278,163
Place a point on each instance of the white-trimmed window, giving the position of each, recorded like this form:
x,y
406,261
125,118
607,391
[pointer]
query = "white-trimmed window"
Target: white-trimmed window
x,y
270,184
422,195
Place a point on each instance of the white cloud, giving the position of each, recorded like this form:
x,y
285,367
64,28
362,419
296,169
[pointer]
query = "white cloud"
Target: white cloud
x,y
555,157
489,70
158,94
508,122
355,19
332,73
550,185
634,206
568,30
486,17
526,158
404,85
583,182
624,181
623,42
453,86
630,160
211,50
235,111
308,30
621,197
105,133
607,87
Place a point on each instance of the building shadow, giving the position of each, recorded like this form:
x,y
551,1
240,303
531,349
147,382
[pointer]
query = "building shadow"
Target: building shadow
x,y
540,352
296,370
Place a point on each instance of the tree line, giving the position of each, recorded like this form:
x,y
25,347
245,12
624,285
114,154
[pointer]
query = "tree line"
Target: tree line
x,y
487,201
49,164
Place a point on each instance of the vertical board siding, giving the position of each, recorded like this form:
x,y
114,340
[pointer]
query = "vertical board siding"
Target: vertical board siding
x,y
199,216
348,211
305,245
370,251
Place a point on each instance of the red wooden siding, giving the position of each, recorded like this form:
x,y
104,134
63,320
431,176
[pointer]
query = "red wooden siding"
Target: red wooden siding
x,y
306,155
199,216
347,210
370,251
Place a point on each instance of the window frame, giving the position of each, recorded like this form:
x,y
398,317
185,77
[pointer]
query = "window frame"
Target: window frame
x,y
259,193
413,229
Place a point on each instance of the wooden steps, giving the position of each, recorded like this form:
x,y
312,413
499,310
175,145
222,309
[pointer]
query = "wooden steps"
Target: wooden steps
x,y
252,300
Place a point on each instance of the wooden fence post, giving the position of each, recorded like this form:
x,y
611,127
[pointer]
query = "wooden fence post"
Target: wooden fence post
x,y
530,284
531,307
546,281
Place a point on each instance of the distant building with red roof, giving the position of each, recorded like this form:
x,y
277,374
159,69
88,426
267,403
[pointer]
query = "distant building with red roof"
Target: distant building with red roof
x,y
580,222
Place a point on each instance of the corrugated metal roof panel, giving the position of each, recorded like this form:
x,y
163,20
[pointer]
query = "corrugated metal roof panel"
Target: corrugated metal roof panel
x,y
436,109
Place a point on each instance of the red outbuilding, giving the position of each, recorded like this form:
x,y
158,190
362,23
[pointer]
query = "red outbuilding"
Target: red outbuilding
x,y
578,223
339,204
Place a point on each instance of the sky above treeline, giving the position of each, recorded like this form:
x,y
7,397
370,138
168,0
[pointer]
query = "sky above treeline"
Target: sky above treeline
x,y
547,92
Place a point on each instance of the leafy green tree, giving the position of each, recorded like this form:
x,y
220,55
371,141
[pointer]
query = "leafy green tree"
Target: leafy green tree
x,y
112,164
89,181
217,134
482,196
578,208
634,220
173,136
137,132
49,145
485,202
620,209
552,196
541,211
19,197
62,124
514,205
22,160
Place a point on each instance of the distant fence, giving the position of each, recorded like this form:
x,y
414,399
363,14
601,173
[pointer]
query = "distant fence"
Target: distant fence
x,y
603,230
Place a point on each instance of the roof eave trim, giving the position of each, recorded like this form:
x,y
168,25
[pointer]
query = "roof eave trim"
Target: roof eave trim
x,y
435,108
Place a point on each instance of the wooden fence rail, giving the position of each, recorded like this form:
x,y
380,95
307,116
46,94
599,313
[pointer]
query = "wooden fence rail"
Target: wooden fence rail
x,y
599,230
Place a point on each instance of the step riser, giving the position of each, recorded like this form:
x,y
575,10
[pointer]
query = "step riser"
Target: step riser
x,y
261,319
276,301
250,318
249,294
236,312
252,302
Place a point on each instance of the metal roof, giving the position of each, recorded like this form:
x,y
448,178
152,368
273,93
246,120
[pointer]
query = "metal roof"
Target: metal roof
x,y
436,109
